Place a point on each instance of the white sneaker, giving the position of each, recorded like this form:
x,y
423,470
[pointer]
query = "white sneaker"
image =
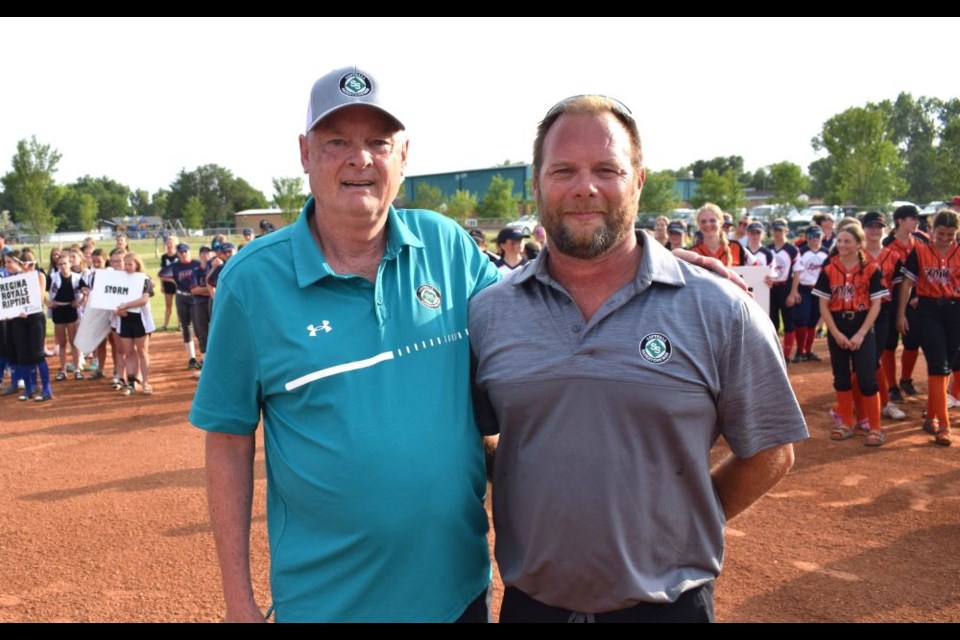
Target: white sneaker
x,y
952,403
21,385
893,412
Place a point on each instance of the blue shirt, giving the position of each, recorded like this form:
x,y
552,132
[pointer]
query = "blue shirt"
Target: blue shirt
x,y
375,473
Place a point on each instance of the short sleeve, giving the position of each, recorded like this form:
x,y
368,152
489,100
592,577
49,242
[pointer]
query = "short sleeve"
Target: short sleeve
x,y
229,395
877,290
753,379
911,266
822,288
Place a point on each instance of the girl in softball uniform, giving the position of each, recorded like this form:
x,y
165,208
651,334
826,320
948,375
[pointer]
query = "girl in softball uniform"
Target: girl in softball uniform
x,y
136,325
29,333
902,241
715,243
934,270
807,310
785,256
169,288
65,298
850,290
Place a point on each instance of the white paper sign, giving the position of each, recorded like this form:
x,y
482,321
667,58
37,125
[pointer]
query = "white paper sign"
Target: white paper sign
x,y
93,329
20,294
754,278
111,288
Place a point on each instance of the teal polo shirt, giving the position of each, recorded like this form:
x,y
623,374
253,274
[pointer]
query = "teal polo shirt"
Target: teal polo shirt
x,y
375,471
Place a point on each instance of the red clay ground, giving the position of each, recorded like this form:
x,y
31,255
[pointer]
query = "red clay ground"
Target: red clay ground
x,y
103,515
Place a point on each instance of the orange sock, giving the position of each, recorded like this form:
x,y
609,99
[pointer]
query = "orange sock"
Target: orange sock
x,y
882,386
937,400
908,361
955,390
889,364
845,401
872,406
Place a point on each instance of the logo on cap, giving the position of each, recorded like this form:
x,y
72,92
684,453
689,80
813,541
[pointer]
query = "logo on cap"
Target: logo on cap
x,y
354,85
428,296
655,348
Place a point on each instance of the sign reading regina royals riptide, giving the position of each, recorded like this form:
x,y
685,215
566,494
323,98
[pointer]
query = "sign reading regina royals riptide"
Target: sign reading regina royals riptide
x,y
20,294
113,288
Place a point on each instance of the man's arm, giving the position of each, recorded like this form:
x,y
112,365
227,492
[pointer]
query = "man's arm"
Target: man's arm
x,y
229,471
742,481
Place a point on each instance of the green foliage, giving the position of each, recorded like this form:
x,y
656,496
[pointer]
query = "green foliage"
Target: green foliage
x,y
948,158
221,193
866,163
499,201
462,205
113,198
759,180
87,213
289,197
820,171
428,197
720,164
193,213
913,126
787,183
30,186
659,193
724,190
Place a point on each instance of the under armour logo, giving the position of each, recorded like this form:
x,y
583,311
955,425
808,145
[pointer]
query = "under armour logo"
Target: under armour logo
x,y
324,326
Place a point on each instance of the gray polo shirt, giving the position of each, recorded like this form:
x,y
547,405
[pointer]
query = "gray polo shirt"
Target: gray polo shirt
x,y
602,493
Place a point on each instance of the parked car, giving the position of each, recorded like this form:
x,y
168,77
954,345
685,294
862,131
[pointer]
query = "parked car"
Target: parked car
x,y
769,212
933,207
524,224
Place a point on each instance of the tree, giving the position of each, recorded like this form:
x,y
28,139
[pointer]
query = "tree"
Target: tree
x,y
820,171
659,192
31,188
948,158
499,201
87,213
759,180
221,193
787,183
288,196
866,163
113,198
724,190
429,196
720,164
913,126
462,205
193,213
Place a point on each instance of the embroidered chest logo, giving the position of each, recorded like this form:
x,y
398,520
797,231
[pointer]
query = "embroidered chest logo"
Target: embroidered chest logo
x,y
655,348
324,326
428,296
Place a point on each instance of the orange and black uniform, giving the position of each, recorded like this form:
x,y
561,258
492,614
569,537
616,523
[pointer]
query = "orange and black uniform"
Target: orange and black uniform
x,y
936,321
889,262
850,292
731,256
911,342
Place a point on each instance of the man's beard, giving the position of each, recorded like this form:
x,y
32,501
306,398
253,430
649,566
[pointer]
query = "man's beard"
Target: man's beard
x,y
616,225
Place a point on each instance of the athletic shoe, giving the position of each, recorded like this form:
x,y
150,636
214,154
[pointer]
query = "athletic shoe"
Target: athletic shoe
x,y
797,358
908,388
61,377
94,365
78,376
21,385
931,425
952,403
193,364
43,397
895,395
47,353
893,412
812,357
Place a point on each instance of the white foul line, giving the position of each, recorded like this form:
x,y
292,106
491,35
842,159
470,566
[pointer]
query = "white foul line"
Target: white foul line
x,y
340,368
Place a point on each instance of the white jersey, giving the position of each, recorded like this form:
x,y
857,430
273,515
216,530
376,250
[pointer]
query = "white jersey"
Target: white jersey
x,y
808,265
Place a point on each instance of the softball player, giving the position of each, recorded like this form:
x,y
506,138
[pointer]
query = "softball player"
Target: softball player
x,y
755,254
902,241
934,269
169,288
136,325
65,297
715,243
850,289
806,309
785,257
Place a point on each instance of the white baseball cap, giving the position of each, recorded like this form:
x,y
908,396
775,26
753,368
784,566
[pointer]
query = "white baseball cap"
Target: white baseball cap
x,y
342,88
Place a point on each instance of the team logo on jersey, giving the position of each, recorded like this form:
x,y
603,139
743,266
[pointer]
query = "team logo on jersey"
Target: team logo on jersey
x,y
354,85
324,326
428,296
655,348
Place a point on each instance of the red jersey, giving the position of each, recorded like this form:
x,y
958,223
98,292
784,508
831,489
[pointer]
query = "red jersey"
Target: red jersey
x,y
849,289
735,259
889,262
935,275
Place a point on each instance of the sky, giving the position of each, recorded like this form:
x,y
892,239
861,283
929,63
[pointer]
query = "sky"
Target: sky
x,y
139,99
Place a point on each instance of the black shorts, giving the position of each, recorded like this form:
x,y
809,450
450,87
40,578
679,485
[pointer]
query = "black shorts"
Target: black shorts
x,y
64,315
169,288
131,326
28,336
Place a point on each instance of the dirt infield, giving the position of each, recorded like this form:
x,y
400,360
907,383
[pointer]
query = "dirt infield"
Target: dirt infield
x,y
103,515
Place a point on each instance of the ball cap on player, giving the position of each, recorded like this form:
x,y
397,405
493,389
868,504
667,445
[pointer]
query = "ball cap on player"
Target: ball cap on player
x,y
509,234
780,224
873,217
344,87
477,234
755,226
226,246
675,227
183,247
727,220
814,232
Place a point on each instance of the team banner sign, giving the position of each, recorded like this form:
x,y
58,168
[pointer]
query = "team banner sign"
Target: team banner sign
x,y
111,288
20,294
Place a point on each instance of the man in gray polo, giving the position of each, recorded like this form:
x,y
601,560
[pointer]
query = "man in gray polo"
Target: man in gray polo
x,y
605,505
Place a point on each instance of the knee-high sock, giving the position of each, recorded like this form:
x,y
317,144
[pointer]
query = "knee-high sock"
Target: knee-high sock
x,y
191,350
845,401
3,368
45,378
872,406
28,374
859,410
810,335
908,361
889,363
789,338
882,385
937,400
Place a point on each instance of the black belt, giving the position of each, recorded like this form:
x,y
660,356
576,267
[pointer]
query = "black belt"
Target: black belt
x,y
940,302
849,315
